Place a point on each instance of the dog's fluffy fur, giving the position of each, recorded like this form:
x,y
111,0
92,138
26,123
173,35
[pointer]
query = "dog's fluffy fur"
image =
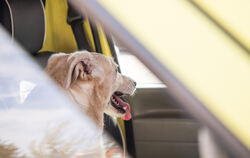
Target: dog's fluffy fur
x,y
90,79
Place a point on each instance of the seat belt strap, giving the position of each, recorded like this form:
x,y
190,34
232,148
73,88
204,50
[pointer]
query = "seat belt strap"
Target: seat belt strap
x,y
75,20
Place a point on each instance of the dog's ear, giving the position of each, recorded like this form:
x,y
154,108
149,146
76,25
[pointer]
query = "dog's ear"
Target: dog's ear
x,y
67,68
80,70
57,66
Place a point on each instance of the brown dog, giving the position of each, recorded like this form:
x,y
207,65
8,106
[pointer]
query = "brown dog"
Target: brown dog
x,y
93,82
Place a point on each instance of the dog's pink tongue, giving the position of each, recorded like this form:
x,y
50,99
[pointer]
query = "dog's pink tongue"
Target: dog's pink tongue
x,y
127,115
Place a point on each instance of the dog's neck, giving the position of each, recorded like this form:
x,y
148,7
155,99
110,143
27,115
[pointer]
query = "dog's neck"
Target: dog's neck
x,y
87,98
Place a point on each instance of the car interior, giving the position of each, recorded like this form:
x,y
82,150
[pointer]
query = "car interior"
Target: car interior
x,y
160,127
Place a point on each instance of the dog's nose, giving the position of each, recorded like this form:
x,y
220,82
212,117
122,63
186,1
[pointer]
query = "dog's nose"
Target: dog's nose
x,y
134,83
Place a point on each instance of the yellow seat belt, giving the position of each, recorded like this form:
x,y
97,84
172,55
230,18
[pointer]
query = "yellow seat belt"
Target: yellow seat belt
x,y
106,51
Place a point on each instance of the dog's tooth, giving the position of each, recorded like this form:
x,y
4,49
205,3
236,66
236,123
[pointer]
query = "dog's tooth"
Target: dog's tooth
x,y
125,108
115,101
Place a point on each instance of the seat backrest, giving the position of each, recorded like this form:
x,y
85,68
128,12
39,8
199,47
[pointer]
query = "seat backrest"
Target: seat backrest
x,y
25,20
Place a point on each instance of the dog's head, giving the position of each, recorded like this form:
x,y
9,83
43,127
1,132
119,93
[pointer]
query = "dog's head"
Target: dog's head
x,y
95,78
